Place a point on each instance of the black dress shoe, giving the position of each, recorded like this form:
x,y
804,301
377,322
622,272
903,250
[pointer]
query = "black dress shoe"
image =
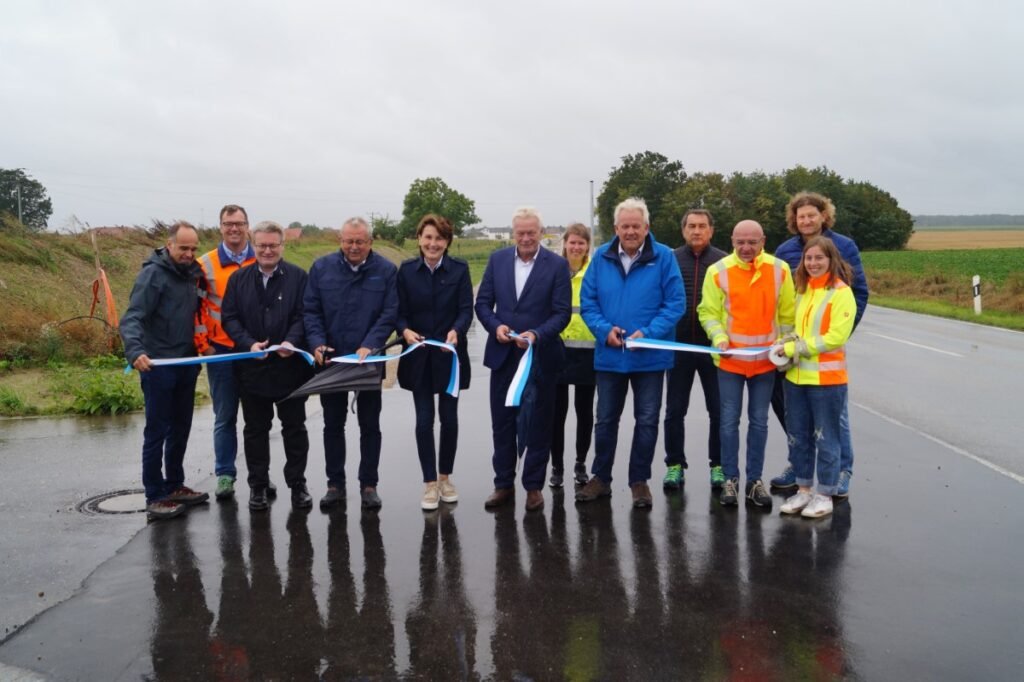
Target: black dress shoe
x,y
370,498
271,490
301,499
258,500
332,498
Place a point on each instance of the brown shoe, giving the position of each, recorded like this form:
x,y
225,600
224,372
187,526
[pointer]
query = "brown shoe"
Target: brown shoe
x,y
594,489
499,497
534,500
641,496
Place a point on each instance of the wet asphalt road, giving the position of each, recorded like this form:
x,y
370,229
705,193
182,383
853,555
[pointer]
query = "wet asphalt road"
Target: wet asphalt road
x,y
916,577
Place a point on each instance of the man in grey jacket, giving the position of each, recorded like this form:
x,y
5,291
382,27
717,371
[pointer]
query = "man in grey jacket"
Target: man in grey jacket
x,y
160,322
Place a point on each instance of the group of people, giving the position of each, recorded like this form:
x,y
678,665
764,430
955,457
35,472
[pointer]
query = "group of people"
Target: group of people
x,y
626,317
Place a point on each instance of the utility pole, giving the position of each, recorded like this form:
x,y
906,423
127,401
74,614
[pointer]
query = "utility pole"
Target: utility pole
x,y
591,209
17,190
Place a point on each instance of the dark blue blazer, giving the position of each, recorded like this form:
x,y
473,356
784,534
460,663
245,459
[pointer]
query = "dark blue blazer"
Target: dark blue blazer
x,y
433,304
543,308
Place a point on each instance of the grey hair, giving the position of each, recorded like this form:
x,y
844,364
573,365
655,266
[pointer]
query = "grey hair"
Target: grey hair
x,y
358,222
269,226
526,213
633,204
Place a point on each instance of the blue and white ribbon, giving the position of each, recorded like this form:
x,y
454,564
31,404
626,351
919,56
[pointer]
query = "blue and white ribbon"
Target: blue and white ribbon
x,y
224,357
453,380
659,344
515,390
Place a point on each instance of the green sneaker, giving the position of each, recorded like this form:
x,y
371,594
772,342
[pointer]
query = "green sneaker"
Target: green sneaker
x,y
717,477
225,488
674,477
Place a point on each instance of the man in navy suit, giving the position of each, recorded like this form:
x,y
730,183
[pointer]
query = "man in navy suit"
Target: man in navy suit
x,y
525,290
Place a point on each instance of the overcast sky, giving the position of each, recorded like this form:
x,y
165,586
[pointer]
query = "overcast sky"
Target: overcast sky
x,y
315,111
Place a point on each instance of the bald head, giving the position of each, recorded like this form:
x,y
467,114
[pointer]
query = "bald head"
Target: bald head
x,y
747,240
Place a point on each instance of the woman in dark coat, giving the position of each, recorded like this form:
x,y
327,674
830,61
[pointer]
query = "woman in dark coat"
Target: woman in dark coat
x,y
435,301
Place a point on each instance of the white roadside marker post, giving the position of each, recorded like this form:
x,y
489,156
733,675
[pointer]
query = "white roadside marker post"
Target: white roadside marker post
x,y
976,285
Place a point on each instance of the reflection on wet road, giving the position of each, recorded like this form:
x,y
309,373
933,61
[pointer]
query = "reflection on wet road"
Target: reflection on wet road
x,y
925,587
592,592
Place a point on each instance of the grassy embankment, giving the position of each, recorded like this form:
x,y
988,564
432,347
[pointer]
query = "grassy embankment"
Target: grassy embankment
x,y
56,360
933,276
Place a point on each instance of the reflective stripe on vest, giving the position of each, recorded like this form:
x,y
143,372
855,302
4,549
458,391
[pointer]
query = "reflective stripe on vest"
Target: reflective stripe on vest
x,y
573,343
829,366
211,278
749,364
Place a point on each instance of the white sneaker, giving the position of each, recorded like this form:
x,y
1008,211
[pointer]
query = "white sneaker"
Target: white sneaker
x,y
820,506
448,491
794,504
431,496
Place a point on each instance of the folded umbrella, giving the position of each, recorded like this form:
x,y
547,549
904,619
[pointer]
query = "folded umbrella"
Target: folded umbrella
x,y
336,378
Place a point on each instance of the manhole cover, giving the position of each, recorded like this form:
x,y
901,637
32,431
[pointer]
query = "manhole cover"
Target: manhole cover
x,y
117,502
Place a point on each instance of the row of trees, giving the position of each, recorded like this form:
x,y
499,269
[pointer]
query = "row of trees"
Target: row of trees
x,y
977,220
864,212
868,214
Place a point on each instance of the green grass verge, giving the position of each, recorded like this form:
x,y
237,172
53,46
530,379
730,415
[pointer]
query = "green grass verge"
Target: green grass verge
x,y
950,311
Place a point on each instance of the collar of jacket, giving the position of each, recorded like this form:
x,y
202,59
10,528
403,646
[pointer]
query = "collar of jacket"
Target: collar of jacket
x,y
443,265
279,269
359,269
759,259
226,260
646,255
703,256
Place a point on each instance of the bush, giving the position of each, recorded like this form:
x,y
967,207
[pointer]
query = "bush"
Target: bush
x,y
102,391
11,403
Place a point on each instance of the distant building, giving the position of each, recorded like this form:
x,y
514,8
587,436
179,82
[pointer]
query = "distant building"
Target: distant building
x,y
502,233
292,234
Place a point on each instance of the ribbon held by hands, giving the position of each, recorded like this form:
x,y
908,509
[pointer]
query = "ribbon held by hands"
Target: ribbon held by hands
x,y
677,346
515,390
453,379
224,357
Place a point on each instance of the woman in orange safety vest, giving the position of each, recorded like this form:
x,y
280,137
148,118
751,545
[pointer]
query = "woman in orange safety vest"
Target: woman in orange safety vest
x,y
816,382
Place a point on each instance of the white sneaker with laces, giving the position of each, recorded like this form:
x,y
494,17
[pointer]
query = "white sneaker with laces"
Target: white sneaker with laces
x,y
794,504
448,491
820,505
431,496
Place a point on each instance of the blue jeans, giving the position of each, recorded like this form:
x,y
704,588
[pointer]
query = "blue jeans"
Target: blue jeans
x,y
448,413
224,394
813,414
845,441
730,392
368,405
170,399
677,403
611,399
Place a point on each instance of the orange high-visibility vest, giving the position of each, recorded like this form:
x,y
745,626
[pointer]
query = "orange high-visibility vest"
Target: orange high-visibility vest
x,y
208,329
748,305
824,322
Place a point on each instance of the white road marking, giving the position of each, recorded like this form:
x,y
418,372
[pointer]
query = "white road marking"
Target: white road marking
x,y
949,446
916,345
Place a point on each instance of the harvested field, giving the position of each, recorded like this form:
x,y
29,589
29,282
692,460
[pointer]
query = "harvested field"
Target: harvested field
x,y
966,238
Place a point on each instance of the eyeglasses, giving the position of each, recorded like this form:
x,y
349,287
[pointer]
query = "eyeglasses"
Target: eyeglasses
x,y
267,247
234,223
354,242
